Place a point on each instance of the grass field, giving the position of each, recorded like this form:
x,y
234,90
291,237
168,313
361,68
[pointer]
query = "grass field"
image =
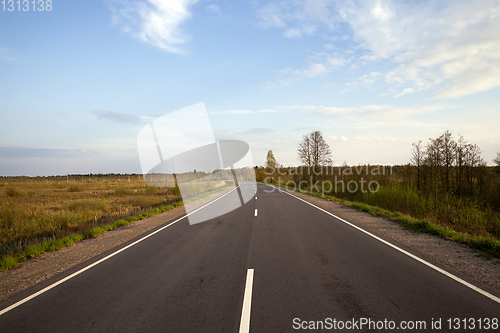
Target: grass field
x,y
34,211
461,214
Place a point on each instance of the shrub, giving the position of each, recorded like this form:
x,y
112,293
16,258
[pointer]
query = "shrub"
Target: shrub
x,y
74,188
83,205
122,191
12,192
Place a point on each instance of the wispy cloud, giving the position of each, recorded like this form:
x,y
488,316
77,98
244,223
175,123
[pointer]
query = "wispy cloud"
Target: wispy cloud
x,y
257,131
320,64
301,15
363,139
366,80
213,9
28,152
369,111
242,112
119,117
5,54
404,92
451,47
156,22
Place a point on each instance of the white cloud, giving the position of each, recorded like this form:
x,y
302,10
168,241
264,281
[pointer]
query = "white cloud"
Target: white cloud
x,y
292,33
369,112
366,80
213,9
156,22
270,17
119,117
404,92
303,30
30,152
364,139
296,13
450,47
243,112
5,54
319,64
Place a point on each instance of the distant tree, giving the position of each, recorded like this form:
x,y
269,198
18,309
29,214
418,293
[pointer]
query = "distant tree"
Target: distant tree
x,y
435,161
496,160
460,159
418,158
314,152
271,164
448,148
473,160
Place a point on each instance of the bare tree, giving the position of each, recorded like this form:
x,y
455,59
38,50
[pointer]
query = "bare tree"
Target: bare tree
x,y
435,162
448,148
473,160
497,162
418,158
460,152
314,152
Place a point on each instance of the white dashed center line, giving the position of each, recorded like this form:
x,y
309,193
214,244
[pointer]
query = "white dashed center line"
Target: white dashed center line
x,y
247,304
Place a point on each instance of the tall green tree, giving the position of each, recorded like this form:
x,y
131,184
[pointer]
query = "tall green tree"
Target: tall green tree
x,y
271,164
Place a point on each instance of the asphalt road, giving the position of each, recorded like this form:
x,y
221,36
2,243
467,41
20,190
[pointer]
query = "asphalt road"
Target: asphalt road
x,y
307,266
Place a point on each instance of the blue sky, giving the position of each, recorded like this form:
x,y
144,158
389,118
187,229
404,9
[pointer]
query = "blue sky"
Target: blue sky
x,y
79,82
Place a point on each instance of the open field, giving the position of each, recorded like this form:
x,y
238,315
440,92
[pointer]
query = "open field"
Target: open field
x,y
37,210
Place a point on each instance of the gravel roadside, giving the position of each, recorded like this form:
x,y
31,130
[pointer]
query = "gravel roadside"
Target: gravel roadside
x,y
458,257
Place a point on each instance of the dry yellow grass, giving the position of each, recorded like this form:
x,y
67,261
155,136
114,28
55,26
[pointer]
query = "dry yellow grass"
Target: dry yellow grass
x,y
33,210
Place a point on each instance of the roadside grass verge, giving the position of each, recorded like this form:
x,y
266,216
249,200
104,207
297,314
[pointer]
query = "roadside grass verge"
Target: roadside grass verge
x,y
488,244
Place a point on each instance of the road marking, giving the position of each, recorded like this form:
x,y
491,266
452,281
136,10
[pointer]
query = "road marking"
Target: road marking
x,y
442,271
247,303
255,211
55,284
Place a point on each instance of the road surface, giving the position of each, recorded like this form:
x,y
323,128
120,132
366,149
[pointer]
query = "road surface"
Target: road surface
x,y
276,264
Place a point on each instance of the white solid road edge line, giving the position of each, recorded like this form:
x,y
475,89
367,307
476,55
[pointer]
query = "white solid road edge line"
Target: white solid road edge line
x,y
247,303
55,284
456,278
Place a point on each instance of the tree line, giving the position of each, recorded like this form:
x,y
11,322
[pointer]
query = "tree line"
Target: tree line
x,y
444,166
448,166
